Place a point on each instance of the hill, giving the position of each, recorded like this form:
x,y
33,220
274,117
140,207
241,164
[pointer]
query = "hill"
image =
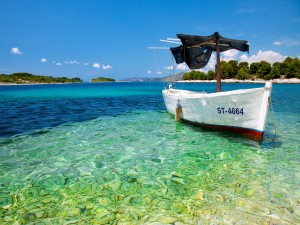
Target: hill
x,y
102,79
175,77
28,78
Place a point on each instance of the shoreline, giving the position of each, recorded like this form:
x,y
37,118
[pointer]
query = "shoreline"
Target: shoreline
x,y
274,81
3,84
259,81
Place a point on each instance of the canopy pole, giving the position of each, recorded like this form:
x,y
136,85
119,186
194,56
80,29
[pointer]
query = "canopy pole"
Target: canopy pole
x,y
218,65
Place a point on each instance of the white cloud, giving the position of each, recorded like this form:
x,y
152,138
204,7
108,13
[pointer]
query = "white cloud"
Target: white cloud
x,y
182,66
16,51
58,64
85,64
149,71
269,56
211,63
159,72
290,42
277,43
71,62
230,55
168,67
96,65
43,60
106,67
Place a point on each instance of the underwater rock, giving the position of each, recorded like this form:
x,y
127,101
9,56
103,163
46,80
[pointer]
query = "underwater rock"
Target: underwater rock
x,y
47,222
8,218
105,201
89,206
52,212
74,211
99,164
290,209
200,195
6,202
250,192
40,213
139,201
72,221
114,185
104,219
84,171
224,155
219,198
178,207
30,217
166,219
175,174
47,199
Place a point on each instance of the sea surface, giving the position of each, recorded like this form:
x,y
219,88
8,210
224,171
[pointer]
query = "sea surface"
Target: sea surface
x,y
109,153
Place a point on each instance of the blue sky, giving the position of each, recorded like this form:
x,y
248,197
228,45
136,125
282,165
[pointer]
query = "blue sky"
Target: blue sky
x,y
110,38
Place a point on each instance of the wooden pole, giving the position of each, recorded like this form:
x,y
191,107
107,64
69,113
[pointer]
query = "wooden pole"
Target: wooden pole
x,y
178,113
218,64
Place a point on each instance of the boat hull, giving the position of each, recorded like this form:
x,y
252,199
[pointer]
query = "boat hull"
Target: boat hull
x,y
241,111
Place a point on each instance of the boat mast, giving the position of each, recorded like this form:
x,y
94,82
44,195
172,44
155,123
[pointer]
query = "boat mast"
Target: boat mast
x,y
218,63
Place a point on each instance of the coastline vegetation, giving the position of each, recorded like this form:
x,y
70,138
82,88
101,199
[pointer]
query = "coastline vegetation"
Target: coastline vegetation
x,y
28,78
102,79
289,68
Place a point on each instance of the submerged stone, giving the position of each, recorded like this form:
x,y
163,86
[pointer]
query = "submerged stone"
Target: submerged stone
x,y
200,195
6,203
106,219
166,219
139,201
105,201
290,209
74,211
178,207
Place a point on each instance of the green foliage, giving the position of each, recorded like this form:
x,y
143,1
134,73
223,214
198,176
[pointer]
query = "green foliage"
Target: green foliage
x,y
243,65
27,78
211,75
102,79
224,70
264,69
243,74
289,68
232,68
254,68
195,75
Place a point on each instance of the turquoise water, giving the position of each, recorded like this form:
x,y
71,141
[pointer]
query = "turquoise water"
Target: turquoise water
x,y
111,154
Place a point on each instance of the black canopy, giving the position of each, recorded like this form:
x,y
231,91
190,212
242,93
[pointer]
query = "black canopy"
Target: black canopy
x,y
196,50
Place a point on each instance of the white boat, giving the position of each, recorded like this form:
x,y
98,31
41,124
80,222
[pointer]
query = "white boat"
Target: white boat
x,y
241,111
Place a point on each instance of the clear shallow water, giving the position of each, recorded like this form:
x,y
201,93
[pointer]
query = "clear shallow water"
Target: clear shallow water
x,y
110,154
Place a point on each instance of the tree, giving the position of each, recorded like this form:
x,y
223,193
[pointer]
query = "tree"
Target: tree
x,y
243,64
224,70
254,68
232,68
275,73
211,75
243,74
264,69
291,71
186,76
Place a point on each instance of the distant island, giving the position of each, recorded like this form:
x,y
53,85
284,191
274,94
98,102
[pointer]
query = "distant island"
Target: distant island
x,y
102,79
28,78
